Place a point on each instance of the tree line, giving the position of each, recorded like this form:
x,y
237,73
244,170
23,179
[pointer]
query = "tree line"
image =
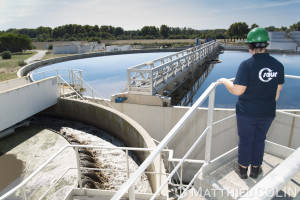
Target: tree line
x,y
17,40
74,32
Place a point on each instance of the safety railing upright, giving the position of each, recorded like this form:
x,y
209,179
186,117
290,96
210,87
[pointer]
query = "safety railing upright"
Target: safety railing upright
x,y
127,170
89,92
66,90
66,73
150,77
71,84
207,133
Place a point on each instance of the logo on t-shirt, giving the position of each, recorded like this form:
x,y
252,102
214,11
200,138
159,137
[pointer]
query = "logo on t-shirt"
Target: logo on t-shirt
x,y
266,74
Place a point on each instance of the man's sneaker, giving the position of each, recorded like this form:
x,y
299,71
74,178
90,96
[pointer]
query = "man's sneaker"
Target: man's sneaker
x,y
242,172
255,171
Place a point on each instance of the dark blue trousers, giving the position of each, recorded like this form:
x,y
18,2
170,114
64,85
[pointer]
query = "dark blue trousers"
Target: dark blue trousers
x,y
252,135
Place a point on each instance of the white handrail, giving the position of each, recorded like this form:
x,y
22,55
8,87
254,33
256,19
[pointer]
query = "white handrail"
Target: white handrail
x,y
170,135
31,176
276,179
150,77
65,82
181,162
155,151
55,69
93,90
20,185
163,143
149,63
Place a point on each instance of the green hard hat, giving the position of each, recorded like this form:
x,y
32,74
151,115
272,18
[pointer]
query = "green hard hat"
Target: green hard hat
x,y
257,35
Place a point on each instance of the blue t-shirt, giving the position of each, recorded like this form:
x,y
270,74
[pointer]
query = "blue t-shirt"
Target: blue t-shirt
x,y
261,74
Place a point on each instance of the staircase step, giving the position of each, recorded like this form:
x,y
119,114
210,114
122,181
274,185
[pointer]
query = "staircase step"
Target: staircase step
x,y
224,183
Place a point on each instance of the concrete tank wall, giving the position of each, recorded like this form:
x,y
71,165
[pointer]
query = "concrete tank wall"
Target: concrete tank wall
x,y
22,102
111,121
10,84
158,121
26,69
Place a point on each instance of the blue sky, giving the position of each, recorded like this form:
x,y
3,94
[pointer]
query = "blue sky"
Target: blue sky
x,y
134,14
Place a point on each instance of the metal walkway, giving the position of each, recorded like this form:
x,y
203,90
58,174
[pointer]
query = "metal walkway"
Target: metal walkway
x,y
152,77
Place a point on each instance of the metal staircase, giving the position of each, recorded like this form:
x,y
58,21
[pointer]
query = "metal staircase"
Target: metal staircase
x,y
217,180
72,85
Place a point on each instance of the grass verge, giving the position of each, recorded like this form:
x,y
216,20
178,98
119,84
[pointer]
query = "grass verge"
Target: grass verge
x,y
10,67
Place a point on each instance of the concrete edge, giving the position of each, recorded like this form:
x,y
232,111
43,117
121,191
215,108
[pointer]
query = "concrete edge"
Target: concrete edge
x,y
32,66
25,85
278,150
105,194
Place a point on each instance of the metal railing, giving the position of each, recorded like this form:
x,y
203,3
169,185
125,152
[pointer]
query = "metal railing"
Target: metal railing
x,y
150,77
79,169
67,74
130,183
207,133
89,93
72,85
268,187
66,90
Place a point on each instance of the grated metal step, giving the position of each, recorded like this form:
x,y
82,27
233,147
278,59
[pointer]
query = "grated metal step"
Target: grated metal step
x,y
224,183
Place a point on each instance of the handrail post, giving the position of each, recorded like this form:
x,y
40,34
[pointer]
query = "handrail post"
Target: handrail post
x,y
132,192
78,168
23,193
181,185
80,74
151,81
128,80
160,169
131,189
210,113
72,73
127,165
58,79
69,75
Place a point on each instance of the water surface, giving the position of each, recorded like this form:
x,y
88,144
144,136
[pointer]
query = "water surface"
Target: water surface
x,y
108,75
289,96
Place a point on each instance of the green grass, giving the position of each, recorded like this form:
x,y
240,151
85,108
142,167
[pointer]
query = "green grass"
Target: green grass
x,y
9,67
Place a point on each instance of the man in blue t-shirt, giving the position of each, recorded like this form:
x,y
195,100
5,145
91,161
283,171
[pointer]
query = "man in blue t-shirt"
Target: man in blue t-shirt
x,y
258,83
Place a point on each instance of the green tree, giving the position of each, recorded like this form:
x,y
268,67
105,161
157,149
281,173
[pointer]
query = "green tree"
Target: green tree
x,y
253,26
271,28
14,42
43,30
295,27
96,29
118,31
283,28
238,29
164,31
107,29
149,32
